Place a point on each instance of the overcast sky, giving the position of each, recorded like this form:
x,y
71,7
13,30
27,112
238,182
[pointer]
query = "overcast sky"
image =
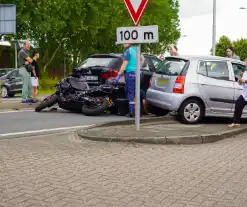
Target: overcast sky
x,y
196,18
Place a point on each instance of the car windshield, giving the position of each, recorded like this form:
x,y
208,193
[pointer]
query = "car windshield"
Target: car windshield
x,y
90,62
171,67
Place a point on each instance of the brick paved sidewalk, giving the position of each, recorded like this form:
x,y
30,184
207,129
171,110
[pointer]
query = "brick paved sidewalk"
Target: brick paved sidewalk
x,y
65,171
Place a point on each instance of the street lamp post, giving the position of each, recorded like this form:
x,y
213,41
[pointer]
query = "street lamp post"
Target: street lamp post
x,y
17,46
214,28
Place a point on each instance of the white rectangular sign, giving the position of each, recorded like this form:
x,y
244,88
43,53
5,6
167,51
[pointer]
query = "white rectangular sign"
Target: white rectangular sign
x,y
7,19
142,34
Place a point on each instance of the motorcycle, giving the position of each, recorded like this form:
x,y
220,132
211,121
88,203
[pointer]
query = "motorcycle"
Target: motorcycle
x,y
72,94
113,93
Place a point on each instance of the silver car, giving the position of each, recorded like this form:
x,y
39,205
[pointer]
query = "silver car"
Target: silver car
x,y
196,87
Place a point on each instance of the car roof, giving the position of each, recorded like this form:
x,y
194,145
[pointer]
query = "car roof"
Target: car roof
x,y
106,55
198,57
146,54
115,55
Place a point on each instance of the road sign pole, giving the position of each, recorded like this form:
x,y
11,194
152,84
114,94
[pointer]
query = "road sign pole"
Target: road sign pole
x,y
139,35
137,91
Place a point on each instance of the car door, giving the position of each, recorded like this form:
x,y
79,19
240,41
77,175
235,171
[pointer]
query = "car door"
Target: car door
x,y
216,86
238,88
146,74
18,82
13,80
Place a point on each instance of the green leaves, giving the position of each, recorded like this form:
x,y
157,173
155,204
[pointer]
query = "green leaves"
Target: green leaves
x,y
222,45
89,27
240,47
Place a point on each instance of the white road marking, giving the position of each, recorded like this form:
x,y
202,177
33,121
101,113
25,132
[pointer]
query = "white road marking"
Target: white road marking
x,y
42,131
16,111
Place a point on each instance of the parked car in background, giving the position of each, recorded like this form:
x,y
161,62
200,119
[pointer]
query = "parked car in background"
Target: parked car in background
x,y
4,71
100,67
11,83
196,87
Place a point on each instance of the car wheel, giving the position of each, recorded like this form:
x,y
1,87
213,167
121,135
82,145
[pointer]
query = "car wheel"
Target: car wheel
x,y
4,92
157,111
191,112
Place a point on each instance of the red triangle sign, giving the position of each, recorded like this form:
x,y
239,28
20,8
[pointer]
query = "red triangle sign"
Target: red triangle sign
x,y
136,9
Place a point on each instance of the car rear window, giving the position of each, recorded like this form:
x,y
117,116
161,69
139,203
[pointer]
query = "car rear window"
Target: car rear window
x,y
116,63
95,61
172,67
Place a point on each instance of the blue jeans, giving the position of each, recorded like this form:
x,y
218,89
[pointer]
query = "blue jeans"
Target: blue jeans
x,y
130,84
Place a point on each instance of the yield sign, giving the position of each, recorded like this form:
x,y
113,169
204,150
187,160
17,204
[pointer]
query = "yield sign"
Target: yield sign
x,y
136,9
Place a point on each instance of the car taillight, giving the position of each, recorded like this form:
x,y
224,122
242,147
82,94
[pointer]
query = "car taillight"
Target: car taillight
x,y
109,74
179,85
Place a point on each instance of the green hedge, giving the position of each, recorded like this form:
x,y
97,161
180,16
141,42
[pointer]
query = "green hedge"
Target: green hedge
x,y
47,83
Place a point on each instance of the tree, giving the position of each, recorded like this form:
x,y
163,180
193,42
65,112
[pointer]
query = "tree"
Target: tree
x,y
240,47
222,45
80,28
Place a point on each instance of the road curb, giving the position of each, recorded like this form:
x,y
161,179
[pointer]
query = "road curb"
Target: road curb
x,y
132,121
181,140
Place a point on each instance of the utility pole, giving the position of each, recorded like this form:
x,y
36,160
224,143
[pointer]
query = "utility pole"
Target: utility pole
x,y
214,28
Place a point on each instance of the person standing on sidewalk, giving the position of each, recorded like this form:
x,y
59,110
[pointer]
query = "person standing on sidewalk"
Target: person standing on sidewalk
x,y
129,66
35,80
25,71
241,101
173,50
230,53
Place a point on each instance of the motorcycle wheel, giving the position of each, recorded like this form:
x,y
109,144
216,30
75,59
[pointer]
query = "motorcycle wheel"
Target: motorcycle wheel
x,y
96,109
47,103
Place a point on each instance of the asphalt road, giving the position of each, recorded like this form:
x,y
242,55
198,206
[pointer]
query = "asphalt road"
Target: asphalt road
x,y
30,121
17,98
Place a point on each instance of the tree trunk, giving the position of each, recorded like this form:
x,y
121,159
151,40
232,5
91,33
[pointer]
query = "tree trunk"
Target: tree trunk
x,y
75,58
52,57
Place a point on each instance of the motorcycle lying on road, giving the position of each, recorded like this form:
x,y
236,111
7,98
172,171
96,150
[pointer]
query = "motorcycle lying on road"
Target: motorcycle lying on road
x,y
115,95
73,94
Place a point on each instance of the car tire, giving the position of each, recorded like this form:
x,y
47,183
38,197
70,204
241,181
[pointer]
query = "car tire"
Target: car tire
x,y
191,111
47,103
4,92
88,111
157,111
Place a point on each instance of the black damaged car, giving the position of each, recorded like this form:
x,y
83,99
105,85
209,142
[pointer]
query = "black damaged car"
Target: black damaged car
x,y
100,67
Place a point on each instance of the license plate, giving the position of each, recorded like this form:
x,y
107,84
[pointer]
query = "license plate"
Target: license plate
x,y
162,82
91,78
